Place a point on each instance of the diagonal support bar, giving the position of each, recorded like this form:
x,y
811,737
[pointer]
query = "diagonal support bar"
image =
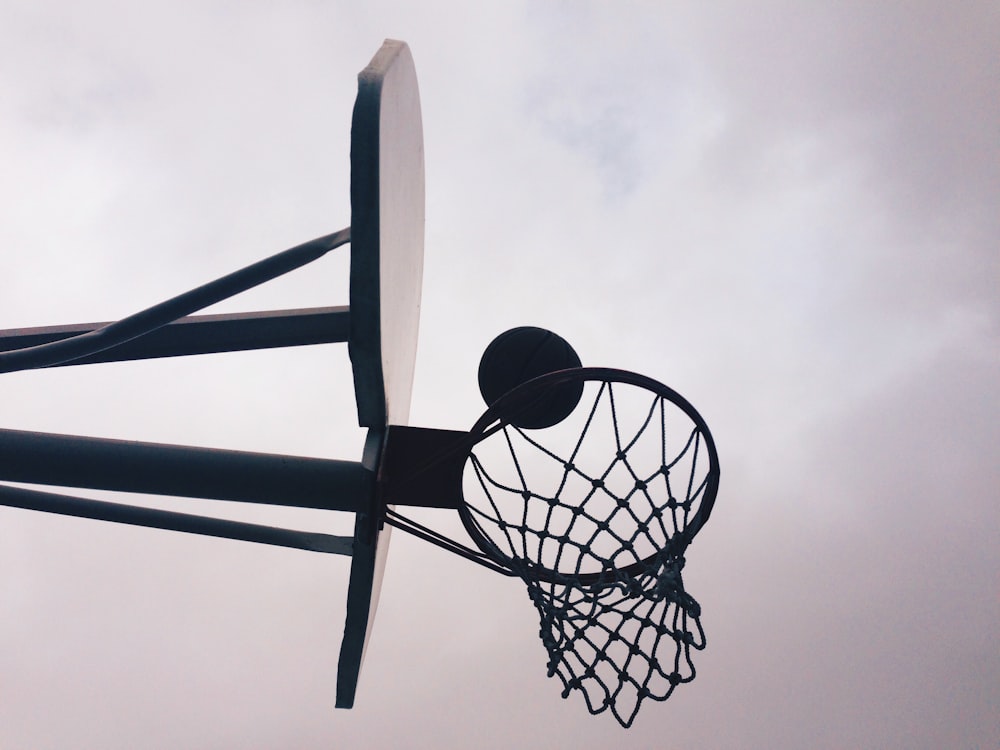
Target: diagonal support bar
x,y
201,334
183,471
157,316
47,502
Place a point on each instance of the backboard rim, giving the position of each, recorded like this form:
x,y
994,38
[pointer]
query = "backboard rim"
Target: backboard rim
x,y
387,212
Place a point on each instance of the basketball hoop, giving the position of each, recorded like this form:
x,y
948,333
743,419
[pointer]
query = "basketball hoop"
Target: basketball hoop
x,y
599,536
593,513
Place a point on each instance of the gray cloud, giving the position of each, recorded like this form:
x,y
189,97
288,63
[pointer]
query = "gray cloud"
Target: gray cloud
x,y
786,213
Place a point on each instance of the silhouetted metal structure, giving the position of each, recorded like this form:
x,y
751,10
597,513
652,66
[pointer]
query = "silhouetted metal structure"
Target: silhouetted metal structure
x,y
589,484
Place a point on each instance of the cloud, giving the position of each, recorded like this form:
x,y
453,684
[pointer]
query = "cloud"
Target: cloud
x,y
786,213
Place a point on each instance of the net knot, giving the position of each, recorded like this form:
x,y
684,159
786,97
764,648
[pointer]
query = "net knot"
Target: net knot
x,y
634,587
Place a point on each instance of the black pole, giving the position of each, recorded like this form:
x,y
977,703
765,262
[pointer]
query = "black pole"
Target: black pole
x,y
183,471
201,334
157,316
47,502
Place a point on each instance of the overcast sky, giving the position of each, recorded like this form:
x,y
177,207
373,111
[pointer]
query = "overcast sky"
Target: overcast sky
x,y
785,211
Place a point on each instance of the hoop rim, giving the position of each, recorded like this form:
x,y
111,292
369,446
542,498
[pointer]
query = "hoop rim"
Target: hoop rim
x,y
523,396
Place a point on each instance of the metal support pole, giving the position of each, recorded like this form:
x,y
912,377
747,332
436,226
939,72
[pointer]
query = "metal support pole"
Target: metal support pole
x,y
201,334
157,316
47,502
183,471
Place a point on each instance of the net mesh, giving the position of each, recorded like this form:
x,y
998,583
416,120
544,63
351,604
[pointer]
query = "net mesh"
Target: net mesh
x,y
600,543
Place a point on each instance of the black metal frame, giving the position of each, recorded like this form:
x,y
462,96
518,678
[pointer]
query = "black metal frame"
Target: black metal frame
x,y
166,330
78,507
146,321
401,522
200,334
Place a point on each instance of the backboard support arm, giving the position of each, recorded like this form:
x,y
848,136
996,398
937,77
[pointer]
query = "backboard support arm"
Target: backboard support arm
x,y
157,316
78,507
183,471
200,334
